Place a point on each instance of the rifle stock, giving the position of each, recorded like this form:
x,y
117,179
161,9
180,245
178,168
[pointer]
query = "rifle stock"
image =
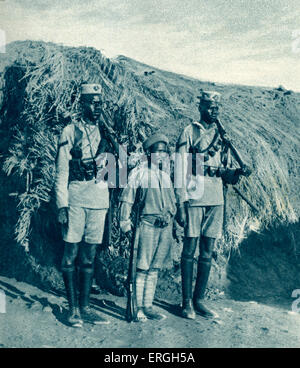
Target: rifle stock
x,y
131,309
245,170
107,124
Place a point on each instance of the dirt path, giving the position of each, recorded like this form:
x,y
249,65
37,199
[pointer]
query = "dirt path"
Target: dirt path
x,y
35,318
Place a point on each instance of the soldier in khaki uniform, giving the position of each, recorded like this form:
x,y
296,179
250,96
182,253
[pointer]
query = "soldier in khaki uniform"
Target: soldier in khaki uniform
x,y
200,199
82,203
157,208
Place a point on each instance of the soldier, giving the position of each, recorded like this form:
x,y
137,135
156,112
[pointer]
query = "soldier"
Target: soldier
x,y
157,209
200,199
82,203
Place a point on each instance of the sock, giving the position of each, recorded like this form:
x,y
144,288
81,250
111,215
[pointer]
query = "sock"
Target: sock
x,y
150,286
139,288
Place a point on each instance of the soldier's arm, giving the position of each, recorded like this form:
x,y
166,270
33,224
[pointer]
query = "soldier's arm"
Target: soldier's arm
x,y
127,200
62,168
125,222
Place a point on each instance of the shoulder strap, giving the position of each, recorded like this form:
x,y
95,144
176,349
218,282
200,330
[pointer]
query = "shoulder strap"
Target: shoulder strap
x,y
76,149
77,136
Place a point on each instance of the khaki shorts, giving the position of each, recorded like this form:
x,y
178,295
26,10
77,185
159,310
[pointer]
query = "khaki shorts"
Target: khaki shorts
x,y
84,224
154,246
204,220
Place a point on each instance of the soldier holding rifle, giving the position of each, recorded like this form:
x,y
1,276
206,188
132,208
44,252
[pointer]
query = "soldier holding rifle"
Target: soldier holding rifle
x,y
157,207
200,197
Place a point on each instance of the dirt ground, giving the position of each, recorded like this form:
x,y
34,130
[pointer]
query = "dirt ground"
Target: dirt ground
x,y
36,319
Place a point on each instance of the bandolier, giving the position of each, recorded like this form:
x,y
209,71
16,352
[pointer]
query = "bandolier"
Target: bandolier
x,y
82,200
204,163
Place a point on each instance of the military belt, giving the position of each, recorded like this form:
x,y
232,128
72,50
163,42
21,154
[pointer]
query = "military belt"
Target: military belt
x,y
157,220
211,171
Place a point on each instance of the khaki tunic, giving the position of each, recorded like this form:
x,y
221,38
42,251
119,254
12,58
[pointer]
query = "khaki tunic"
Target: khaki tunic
x,y
86,194
157,190
200,190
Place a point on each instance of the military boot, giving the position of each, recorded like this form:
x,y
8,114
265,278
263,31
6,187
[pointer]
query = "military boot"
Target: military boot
x,y
187,279
204,266
74,318
85,284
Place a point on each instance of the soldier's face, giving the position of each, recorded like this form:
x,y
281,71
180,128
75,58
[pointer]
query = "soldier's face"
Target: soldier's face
x,y
209,111
91,105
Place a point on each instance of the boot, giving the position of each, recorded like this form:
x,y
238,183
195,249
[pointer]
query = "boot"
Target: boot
x,y
74,318
187,279
204,266
85,283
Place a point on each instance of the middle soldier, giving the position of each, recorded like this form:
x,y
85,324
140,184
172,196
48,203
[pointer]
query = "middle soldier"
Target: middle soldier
x,y
157,210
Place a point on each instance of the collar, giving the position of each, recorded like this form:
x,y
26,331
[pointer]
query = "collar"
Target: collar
x,y
200,126
86,123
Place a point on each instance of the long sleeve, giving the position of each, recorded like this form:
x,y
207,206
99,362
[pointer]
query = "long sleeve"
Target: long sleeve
x,y
62,168
127,200
125,211
129,192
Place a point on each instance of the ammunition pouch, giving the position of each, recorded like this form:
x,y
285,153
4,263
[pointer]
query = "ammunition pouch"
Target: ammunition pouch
x,y
197,160
80,170
212,171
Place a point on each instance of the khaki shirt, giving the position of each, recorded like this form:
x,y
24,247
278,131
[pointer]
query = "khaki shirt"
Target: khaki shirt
x,y
199,190
87,194
157,190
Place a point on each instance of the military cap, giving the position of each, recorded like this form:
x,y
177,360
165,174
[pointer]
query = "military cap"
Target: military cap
x,y
209,96
155,138
91,89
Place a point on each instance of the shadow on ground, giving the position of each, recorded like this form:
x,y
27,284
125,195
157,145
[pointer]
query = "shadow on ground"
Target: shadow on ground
x,y
56,301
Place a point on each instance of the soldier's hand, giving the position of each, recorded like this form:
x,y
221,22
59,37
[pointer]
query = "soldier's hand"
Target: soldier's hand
x,y
125,226
230,176
62,216
181,217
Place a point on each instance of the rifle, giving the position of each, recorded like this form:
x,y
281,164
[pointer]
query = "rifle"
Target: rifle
x,y
105,125
131,309
243,170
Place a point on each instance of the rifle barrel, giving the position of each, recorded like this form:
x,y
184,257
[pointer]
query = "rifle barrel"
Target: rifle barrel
x,y
245,199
